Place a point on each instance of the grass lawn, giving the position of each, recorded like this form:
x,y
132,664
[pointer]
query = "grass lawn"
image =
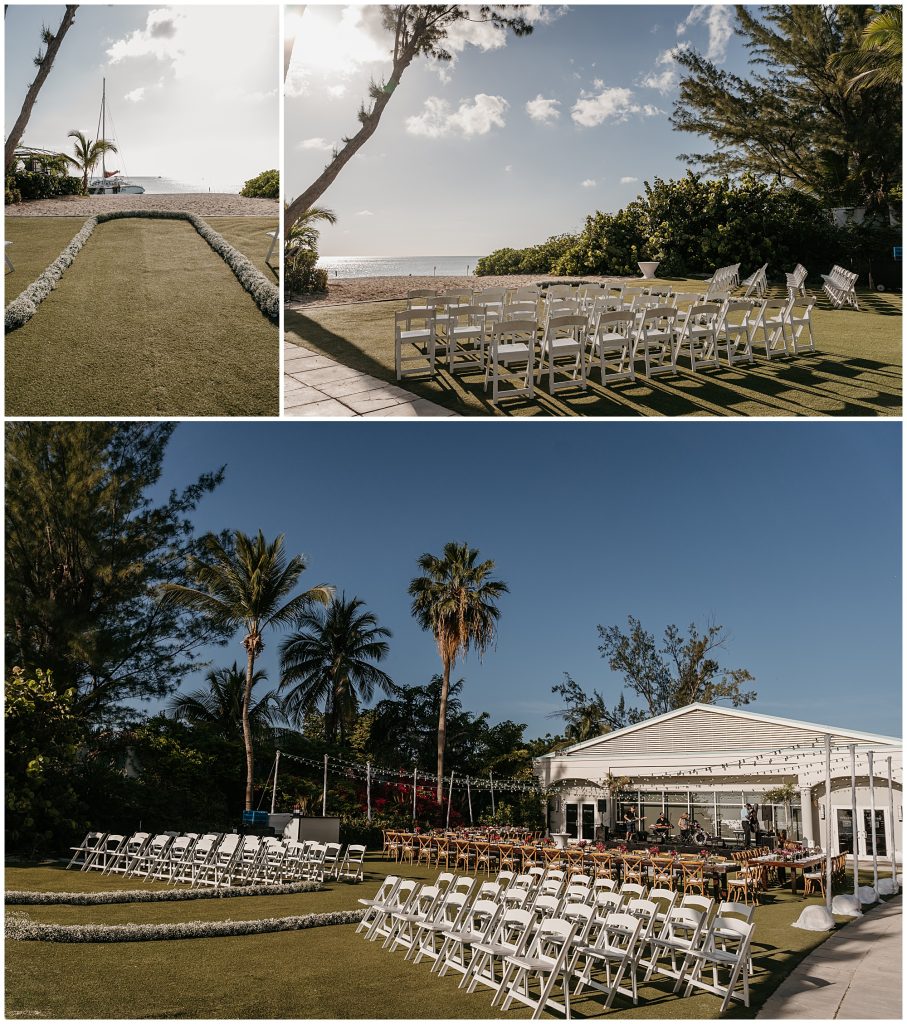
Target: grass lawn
x,y
148,321
248,235
325,972
856,371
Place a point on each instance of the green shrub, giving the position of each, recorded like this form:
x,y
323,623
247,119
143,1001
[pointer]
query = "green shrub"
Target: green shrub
x,y
537,259
265,186
692,226
28,185
300,273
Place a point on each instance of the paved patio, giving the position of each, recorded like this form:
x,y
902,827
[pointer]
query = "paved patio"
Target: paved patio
x,y
315,385
855,975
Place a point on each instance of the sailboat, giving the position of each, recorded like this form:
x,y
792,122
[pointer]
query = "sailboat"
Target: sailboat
x,y
110,182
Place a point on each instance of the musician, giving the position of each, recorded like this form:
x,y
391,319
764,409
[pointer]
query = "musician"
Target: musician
x,y
662,825
683,824
750,824
629,822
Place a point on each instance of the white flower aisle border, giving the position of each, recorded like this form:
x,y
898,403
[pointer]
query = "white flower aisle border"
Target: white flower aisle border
x,y
20,928
24,898
265,294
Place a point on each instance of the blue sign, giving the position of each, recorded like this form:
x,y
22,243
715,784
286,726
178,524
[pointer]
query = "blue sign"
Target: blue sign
x,y
897,252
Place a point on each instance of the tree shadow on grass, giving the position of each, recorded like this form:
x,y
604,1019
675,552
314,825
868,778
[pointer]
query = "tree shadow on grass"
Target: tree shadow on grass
x,y
808,385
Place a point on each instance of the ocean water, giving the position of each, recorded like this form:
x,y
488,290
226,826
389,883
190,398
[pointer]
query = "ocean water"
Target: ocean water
x,y
397,266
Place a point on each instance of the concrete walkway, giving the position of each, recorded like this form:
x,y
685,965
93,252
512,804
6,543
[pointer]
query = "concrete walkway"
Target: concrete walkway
x,y
315,385
855,974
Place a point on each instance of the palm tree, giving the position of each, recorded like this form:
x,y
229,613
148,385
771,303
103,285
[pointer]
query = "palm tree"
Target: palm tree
x,y
244,584
455,600
331,660
303,233
88,153
879,59
218,705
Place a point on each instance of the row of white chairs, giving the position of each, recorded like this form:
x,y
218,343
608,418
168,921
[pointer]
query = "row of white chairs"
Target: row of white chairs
x,y
524,946
840,286
216,859
515,348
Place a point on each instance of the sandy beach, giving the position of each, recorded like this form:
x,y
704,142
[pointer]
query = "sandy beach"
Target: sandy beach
x,y
205,204
374,289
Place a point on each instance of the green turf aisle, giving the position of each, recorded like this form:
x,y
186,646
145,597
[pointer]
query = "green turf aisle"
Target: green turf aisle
x,y
148,321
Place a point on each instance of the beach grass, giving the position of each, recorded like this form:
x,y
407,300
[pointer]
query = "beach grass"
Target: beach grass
x,y
148,321
855,372
327,972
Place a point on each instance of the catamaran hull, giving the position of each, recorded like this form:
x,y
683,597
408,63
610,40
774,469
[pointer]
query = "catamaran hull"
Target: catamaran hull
x,y
111,190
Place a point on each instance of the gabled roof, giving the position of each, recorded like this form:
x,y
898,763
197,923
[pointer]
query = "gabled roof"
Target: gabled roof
x,y
838,735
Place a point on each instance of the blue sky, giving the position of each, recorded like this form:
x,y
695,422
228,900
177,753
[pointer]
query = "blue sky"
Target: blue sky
x,y
193,90
789,535
517,140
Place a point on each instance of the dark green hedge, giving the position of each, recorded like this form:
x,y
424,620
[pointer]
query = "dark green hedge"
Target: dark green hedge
x,y
696,224
23,186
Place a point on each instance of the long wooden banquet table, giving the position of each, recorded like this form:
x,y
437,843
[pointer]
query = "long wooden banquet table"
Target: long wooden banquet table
x,y
475,854
791,864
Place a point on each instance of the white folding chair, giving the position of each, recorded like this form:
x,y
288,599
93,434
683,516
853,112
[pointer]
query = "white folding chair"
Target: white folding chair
x,y
472,924
756,283
510,358
353,863
681,932
737,328
698,334
615,950
373,905
653,341
87,850
720,951
405,921
399,899
508,937
773,321
414,341
800,326
545,960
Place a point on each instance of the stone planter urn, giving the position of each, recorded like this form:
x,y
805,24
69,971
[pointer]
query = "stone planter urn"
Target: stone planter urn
x,y
561,839
648,268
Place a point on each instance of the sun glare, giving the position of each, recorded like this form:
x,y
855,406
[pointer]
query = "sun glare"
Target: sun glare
x,y
333,42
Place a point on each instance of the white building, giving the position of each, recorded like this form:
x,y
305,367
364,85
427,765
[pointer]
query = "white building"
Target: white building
x,y
710,761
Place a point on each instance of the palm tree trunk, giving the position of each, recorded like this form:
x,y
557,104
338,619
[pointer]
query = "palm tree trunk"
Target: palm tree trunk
x,y
247,727
31,96
442,728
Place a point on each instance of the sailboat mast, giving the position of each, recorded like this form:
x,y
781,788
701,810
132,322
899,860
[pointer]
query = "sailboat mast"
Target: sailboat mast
x,y
103,126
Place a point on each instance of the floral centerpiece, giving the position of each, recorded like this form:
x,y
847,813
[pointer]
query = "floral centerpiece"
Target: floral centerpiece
x,y
654,850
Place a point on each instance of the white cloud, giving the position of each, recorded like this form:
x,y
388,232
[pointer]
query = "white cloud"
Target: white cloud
x,y
508,168
719,20
589,183
136,96
316,143
365,213
330,50
542,110
628,180
615,104
161,38
472,117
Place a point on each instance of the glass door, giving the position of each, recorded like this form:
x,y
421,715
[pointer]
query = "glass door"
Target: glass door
x,y
844,819
881,846
571,821
588,821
